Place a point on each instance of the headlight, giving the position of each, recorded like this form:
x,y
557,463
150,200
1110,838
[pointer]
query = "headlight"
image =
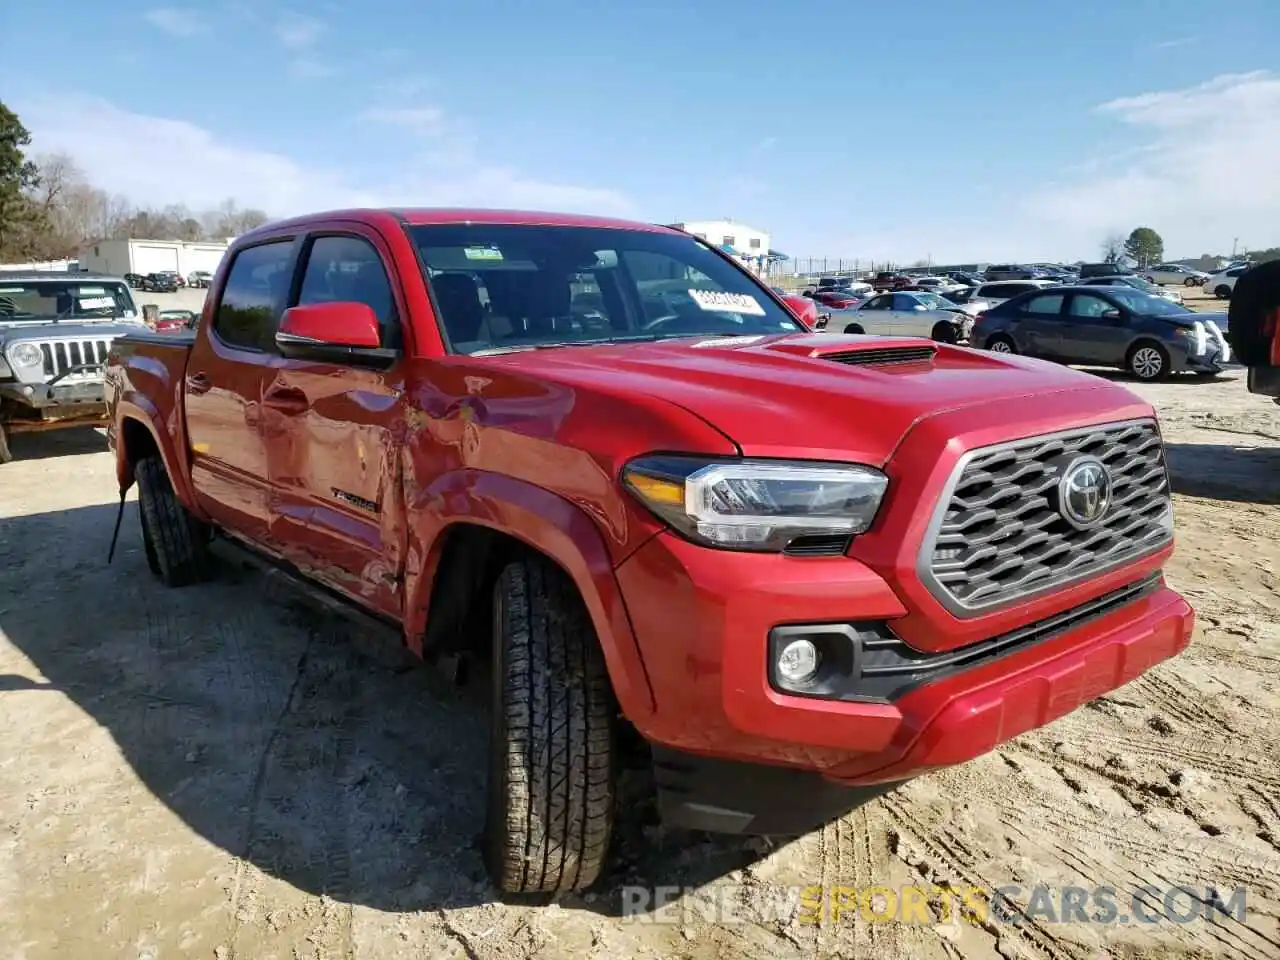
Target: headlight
x,y
25,355
760,505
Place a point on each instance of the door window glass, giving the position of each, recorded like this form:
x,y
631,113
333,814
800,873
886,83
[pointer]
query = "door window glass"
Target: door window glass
x,y
1089,307
1048,305
253,296
349,270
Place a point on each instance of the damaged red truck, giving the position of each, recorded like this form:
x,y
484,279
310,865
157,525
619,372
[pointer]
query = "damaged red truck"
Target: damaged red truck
x,y
802,567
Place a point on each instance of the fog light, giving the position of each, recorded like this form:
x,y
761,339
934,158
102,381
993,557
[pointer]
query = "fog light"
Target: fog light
x,y
798,661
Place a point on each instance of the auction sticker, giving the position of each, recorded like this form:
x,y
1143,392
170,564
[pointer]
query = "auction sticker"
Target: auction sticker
x,y
727,302
483,253
97,303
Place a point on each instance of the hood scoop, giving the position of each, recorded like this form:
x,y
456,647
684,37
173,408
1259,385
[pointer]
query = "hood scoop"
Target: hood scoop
x,y
881,356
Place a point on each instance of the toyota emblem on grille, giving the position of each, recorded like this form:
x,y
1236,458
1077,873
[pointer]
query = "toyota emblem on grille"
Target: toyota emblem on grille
x,y
1084,492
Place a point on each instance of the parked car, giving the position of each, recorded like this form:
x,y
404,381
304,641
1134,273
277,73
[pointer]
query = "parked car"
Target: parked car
x,y
159,283
910,314
1137,283
1001,290
1255,327
837,299
175,320
55,331
135,280
1009,271
1088,271
696,537
1106,326
934,284
1222,284
888,280
175,276
1175,273
199,278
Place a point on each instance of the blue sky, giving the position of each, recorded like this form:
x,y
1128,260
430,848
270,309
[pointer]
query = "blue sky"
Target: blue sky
x,y
980,131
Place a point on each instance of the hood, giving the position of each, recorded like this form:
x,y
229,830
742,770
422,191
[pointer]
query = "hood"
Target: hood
x,y
69,329
814,395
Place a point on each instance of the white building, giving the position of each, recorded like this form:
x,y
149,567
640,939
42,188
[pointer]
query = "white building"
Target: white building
x,y
746,244
118,257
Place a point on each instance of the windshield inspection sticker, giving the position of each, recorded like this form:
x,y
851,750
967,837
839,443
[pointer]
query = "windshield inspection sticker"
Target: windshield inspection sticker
x,y
97,303
727,302
483,253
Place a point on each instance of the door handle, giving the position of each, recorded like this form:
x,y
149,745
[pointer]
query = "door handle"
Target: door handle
x,y
286,400
198,383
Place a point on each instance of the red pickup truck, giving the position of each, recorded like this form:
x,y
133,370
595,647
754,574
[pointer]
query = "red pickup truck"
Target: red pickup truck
x,y
795,568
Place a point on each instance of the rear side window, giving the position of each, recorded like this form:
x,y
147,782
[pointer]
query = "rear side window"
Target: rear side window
x,y
1050,304
348,269
253,296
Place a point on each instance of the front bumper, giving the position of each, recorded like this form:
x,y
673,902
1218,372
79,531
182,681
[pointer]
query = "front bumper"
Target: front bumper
x,y
703,620
42,401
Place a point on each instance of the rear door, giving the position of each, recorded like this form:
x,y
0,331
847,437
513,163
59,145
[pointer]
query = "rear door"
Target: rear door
x,y
223,389
330,431
876,315
1039,325
1089,335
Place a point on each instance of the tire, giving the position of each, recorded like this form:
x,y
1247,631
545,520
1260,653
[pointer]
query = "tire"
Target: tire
x,y
1001,344
6,455
552,745
1189,282
177,540
1147,361
853,328
1222,292
944,332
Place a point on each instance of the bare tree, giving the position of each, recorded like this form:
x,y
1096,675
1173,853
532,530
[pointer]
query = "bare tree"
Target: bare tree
x,y
1113,247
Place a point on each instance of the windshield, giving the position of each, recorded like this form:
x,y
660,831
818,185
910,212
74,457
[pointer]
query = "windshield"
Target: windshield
x,y
1148,304
933,301
45,300
1141,283
501,286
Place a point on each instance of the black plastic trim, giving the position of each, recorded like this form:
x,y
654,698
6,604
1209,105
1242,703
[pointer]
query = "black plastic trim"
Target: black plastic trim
x,y
867,663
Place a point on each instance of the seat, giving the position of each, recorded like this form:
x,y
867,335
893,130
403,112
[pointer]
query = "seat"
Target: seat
x,y
458,296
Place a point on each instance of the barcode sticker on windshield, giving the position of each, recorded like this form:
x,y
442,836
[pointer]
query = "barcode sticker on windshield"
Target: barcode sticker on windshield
x,y
727,302
97,303
483,253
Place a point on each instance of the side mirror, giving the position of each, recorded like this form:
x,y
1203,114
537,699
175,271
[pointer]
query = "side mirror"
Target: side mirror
x,y
919,306
339,332
1112,314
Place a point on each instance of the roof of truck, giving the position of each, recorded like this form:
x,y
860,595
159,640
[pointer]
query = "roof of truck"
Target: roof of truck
x,y
419,216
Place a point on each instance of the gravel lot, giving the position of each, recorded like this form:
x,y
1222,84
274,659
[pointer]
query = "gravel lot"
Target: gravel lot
x,y
212,772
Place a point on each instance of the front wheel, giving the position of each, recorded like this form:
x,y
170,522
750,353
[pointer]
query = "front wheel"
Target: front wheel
x,y
551,787
1148,361
1190,281
944,332
1222,292
1001,344
175,541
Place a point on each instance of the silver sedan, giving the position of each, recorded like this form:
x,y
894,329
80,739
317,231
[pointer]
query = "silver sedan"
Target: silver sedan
x,y
909,314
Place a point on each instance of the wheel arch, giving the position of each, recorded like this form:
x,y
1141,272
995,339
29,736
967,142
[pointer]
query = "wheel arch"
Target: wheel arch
x,y
455,557
139,433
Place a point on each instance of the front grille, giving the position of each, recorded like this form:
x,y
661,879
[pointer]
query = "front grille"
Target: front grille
x,y
879,356
61,356
999,535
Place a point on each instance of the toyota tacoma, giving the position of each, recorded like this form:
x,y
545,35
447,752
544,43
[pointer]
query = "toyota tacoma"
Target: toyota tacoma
x,y
788,569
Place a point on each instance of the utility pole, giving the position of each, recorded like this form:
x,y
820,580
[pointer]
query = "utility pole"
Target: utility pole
x,y
1234,242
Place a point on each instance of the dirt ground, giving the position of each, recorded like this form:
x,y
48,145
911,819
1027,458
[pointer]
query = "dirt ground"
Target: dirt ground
x,y
212,773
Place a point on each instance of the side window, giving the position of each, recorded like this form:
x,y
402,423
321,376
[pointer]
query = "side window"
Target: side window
x,y
902,302
1086,306
253,295
1048,305
349,269
878,303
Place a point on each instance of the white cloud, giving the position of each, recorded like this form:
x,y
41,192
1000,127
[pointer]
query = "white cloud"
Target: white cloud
x,y
1175,42
421,121
1203,175
175,22
297,31
157,161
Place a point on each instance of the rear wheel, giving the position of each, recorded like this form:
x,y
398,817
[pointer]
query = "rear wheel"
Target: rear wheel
x,y
552,747
6,455
853,328
1222,291
1001,344
1148,361
176,542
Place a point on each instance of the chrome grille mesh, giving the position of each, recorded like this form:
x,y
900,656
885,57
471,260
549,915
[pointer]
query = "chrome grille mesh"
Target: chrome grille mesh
x,y
998,536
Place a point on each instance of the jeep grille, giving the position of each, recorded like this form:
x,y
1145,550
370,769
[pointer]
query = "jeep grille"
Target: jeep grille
x,y
63,355
998,537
